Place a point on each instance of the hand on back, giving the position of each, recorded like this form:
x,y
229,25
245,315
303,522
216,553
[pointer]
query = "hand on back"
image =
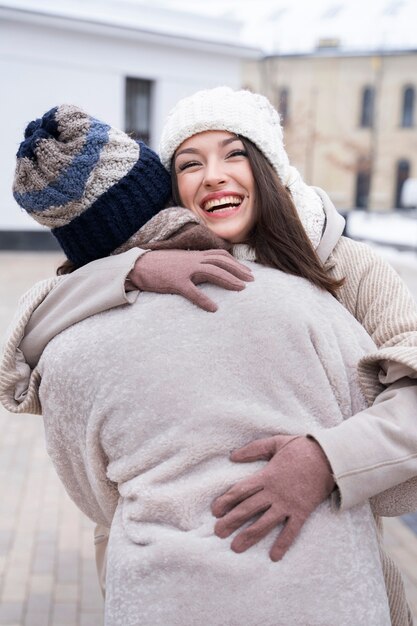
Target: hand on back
x,y
296,479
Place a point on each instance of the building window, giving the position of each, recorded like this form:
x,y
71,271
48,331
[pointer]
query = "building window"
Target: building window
x,y
283,105
363,184
408,107
367,109
403,172
138,108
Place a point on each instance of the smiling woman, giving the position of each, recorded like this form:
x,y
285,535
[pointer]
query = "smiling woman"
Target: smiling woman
x,y
143,404
234,190
214,179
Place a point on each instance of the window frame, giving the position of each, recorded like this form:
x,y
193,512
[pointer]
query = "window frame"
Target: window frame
x,y
367,111
135,89
408,104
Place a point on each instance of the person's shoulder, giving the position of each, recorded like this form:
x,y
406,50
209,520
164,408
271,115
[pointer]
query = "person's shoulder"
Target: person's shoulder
x,y
356,253
348,246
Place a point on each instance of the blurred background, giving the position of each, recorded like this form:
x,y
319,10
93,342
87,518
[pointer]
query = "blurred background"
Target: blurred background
x,y
343,75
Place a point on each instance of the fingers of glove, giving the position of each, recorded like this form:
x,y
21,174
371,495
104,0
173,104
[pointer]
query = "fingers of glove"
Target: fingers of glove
x,y
198,297
219,252
230,265
256,531
286,537
241,513
261,449
218,277
258,450
236,494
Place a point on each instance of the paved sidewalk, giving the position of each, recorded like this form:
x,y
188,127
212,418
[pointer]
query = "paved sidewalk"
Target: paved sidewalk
x,y
47,570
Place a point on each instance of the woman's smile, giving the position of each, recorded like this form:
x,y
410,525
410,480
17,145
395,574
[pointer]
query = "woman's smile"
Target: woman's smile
x,y
215,181
222,204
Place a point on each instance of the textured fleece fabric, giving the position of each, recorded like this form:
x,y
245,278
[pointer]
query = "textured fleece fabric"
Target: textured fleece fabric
x,y
148,437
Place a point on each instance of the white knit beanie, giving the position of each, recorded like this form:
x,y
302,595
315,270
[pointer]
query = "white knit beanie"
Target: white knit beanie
x,y
252,116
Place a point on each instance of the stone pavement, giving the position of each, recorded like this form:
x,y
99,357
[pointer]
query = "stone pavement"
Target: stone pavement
x,y
47,570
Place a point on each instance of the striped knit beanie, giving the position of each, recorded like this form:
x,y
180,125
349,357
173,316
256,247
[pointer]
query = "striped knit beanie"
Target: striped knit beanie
x,y
90,183
252,116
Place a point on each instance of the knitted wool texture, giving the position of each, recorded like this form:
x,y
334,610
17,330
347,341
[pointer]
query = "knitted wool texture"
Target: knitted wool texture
x,y
90,183
252,116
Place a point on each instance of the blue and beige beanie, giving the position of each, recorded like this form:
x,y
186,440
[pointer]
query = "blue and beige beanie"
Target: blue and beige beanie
x,y
91,184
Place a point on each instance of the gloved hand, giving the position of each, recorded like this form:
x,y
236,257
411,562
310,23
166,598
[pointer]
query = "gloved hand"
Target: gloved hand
x,y
179,271
296,480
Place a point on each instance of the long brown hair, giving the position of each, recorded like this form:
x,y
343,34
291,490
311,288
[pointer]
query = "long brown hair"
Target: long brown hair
x,y
279,239
67,267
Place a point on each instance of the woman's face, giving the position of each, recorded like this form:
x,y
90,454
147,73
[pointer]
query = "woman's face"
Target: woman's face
x,y
215,181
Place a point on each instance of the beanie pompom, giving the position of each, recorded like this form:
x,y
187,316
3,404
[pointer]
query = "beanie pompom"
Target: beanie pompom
x,y
42,128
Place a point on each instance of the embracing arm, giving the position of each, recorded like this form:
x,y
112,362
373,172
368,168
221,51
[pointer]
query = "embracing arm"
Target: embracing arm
x,y
94,288
47,309
376,450
97,287
102,285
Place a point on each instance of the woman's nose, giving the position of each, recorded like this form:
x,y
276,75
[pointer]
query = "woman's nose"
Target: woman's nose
x,y
214,174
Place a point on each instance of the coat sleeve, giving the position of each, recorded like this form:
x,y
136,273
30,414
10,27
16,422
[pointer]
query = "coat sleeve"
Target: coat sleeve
x,y
374,453
19,384
49,308
94,288
74,446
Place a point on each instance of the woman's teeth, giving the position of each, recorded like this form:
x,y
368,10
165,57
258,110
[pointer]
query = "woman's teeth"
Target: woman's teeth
x,y
222,204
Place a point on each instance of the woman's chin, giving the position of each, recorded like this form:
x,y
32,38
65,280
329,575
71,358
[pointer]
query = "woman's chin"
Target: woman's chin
x,y
228,232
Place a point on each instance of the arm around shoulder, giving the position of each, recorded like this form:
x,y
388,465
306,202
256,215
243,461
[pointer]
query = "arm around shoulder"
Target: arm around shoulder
x,y
380,458
47,309
93,288
375,294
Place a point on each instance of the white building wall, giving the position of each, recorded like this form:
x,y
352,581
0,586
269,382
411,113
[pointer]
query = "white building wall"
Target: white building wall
x,y
42,66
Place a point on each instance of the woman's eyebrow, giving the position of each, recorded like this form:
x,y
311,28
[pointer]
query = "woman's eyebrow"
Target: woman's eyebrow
x,y
222,143
226,142
186,151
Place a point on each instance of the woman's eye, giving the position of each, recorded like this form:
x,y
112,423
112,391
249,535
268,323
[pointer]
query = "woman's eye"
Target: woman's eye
x,y
236,153
187,164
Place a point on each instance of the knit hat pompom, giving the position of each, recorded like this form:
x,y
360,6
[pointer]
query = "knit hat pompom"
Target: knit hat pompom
x,y
252,116
92,184
42,128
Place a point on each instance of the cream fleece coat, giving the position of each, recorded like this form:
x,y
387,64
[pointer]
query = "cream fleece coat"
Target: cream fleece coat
x,y
142,405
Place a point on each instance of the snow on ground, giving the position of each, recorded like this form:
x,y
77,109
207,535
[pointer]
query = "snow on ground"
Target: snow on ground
x,y
398,229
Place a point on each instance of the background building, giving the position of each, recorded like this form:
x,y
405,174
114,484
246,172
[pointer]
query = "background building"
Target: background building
x,y
344,76
350,119
123,62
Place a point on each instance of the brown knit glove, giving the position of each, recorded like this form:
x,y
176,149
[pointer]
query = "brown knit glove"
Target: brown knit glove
x,y
179,271
294,482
